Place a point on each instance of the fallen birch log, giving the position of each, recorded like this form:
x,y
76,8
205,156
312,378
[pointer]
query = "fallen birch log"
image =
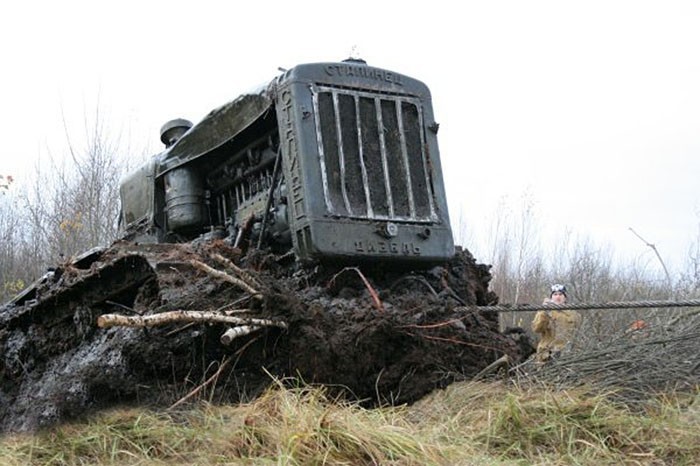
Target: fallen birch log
x,y
113,320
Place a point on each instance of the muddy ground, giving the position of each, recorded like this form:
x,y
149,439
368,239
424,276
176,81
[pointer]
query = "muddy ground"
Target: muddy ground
x,y
391,339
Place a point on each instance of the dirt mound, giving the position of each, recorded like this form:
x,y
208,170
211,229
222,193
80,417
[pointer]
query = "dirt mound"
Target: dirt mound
x,y
377,335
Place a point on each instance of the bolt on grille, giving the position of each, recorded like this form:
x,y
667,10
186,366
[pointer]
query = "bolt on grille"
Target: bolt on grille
x,y
372,156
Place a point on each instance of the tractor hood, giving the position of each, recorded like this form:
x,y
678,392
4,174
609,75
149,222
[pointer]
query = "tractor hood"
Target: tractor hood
x,y
216,129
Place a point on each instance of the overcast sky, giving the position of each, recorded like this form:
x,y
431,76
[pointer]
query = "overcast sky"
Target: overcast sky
x,y
590,107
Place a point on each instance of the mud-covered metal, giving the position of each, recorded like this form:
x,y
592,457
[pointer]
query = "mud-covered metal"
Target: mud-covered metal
x,y
359,160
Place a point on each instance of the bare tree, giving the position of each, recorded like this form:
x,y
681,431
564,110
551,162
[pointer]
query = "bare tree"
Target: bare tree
x,y
12,278
71,205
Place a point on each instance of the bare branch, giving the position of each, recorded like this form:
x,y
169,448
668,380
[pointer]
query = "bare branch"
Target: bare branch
x,y
226,277
245,275
236,332
163,318
211,379
375,297
653,248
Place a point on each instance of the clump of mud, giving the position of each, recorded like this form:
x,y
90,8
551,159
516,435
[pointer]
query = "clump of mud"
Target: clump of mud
x,y
375,335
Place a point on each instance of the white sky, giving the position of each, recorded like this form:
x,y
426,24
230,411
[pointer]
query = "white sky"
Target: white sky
x,y
593,107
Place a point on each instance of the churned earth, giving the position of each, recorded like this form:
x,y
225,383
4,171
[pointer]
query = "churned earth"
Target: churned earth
x,y
371,333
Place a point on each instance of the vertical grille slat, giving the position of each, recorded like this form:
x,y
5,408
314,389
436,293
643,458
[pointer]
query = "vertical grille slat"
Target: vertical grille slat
x,y
418,167
372,155
397,171
382,151
363,166
321,155
328,146
404,160
341,153
353,179
375,165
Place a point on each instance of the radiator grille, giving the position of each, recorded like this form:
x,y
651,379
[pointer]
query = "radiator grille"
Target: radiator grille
x,y
372,156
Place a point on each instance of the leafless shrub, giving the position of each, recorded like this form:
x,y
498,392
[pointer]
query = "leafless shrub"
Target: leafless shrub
x,y
70,205
515,252
633,351
689,281
524,264
13,276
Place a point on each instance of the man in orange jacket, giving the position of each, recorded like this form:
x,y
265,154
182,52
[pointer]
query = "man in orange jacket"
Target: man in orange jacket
x,y
555,328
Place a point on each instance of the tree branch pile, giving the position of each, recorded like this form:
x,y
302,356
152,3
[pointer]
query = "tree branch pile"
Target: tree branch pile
x,y
634,365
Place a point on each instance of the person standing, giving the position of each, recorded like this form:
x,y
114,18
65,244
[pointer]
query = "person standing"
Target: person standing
x,y
555,328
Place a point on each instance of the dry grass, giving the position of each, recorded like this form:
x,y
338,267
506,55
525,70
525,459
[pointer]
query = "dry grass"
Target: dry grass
x,y
542,426
469,423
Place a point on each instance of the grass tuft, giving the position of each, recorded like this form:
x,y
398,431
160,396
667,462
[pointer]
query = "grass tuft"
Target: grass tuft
x,y
468,423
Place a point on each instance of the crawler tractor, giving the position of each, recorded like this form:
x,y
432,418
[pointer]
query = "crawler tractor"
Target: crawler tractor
x,y
335,161
300,230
